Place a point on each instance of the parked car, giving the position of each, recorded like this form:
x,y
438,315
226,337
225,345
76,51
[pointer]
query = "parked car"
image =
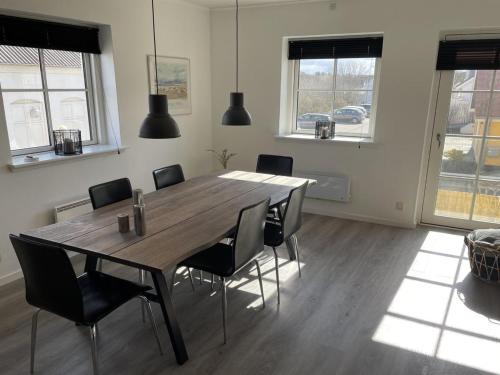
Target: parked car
x,y
357,107
308,120
368,108
348,115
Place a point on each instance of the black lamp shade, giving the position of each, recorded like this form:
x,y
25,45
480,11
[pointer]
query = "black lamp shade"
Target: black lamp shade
x,y
236,114
158,123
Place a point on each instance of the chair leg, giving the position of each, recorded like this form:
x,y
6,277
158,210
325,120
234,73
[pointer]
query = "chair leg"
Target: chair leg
x,y
260,282
201,277
212,282
142,280
224,307
296,245
147,303
93,347
99,264
277,273
34,325
191,278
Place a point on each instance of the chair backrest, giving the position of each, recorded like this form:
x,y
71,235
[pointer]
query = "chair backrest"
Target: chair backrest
x,y
110,192
292,217
167,176
275,164
50,280
249,238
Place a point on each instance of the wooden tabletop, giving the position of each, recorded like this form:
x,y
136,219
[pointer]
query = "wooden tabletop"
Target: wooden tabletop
x,y
180,220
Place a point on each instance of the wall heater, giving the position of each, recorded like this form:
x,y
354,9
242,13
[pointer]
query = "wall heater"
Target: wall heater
x,y
333,187
69,210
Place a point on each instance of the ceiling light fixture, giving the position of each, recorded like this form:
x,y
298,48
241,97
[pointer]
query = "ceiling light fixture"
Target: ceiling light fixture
x,y
236,114
158,123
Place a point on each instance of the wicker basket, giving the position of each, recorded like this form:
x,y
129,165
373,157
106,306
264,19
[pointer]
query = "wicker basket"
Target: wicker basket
x,y
484,259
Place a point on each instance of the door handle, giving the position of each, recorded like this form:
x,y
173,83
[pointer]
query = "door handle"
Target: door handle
x,y
438,139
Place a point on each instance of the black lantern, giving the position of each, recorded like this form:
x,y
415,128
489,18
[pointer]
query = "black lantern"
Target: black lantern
x,y
158,123
236,114
325,130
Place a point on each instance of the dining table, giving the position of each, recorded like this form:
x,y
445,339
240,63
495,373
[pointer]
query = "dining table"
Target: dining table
x,y
181,220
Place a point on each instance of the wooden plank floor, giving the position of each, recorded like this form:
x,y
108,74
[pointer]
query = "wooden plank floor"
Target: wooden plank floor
x,y
370,301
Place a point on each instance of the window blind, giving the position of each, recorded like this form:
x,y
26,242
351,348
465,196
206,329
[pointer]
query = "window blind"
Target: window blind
x,y
479,54
24,32
335,48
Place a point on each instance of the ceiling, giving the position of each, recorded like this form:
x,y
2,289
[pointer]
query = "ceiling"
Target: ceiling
x,y
245,3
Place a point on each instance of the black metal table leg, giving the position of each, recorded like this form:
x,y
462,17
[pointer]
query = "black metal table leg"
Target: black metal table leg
x,y
170,319
90,263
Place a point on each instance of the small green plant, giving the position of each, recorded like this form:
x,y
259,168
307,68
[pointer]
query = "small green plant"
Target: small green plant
x,y
223,156
454,154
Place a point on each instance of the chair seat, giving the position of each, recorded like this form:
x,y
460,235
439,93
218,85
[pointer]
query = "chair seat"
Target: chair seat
x,y
104,293
273,235
217,260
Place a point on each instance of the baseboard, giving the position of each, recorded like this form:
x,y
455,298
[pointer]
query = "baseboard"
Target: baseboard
x,y
356,217
10,277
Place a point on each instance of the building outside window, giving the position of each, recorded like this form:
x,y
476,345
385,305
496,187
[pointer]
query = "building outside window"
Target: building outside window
x,y
44,90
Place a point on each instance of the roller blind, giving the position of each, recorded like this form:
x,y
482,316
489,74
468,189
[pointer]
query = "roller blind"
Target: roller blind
x,y
479,54
335,48
24,32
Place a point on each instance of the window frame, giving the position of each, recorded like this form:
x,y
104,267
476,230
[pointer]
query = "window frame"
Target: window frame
x,y
295,98
92,98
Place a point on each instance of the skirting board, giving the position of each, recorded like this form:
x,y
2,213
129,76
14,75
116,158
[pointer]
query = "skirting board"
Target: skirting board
x,y
13,276
355,217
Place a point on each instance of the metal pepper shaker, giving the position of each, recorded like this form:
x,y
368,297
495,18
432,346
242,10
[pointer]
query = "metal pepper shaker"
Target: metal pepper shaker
x,y
140,219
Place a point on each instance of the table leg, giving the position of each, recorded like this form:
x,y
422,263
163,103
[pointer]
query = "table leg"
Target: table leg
x,y
90,263
290,245
169,315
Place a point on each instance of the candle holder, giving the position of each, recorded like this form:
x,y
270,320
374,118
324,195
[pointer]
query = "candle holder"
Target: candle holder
x,y
325,130
67,142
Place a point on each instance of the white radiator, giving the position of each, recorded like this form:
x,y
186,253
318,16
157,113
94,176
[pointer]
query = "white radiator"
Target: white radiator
x,y
334,187
70,210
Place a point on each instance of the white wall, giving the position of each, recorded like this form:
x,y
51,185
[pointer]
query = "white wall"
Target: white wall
x,y
27,197
385,172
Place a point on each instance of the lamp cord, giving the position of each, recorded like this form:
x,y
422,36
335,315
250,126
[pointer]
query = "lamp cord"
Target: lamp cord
x,y
154,41
237,43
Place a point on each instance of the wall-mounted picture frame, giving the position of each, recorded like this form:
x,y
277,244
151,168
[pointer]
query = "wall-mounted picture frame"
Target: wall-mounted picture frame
x,y
174,80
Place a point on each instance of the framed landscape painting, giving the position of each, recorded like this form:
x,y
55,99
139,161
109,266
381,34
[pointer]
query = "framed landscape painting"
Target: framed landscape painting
x,y
174,80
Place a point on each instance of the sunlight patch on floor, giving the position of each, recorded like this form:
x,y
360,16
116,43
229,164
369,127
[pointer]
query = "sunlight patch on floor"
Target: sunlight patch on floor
x,y
433,267
430,313
466,350
421,300
405,334
444,243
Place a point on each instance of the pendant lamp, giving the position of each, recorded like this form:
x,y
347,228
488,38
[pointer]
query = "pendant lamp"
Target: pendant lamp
x,y
236,114
158,123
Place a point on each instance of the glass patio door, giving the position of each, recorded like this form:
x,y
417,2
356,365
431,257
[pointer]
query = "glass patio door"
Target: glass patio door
x,y
463,180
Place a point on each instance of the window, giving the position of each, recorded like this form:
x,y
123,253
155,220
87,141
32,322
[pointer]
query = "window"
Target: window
x,y
44,90
340,90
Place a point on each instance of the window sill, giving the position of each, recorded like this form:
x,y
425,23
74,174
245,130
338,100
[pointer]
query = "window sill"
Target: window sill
x,y
49,157
339,139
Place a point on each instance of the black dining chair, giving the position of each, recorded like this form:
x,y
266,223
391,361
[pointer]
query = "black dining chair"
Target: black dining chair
x,y
225,260
275,164
168,176
289,222
110,192
52,285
